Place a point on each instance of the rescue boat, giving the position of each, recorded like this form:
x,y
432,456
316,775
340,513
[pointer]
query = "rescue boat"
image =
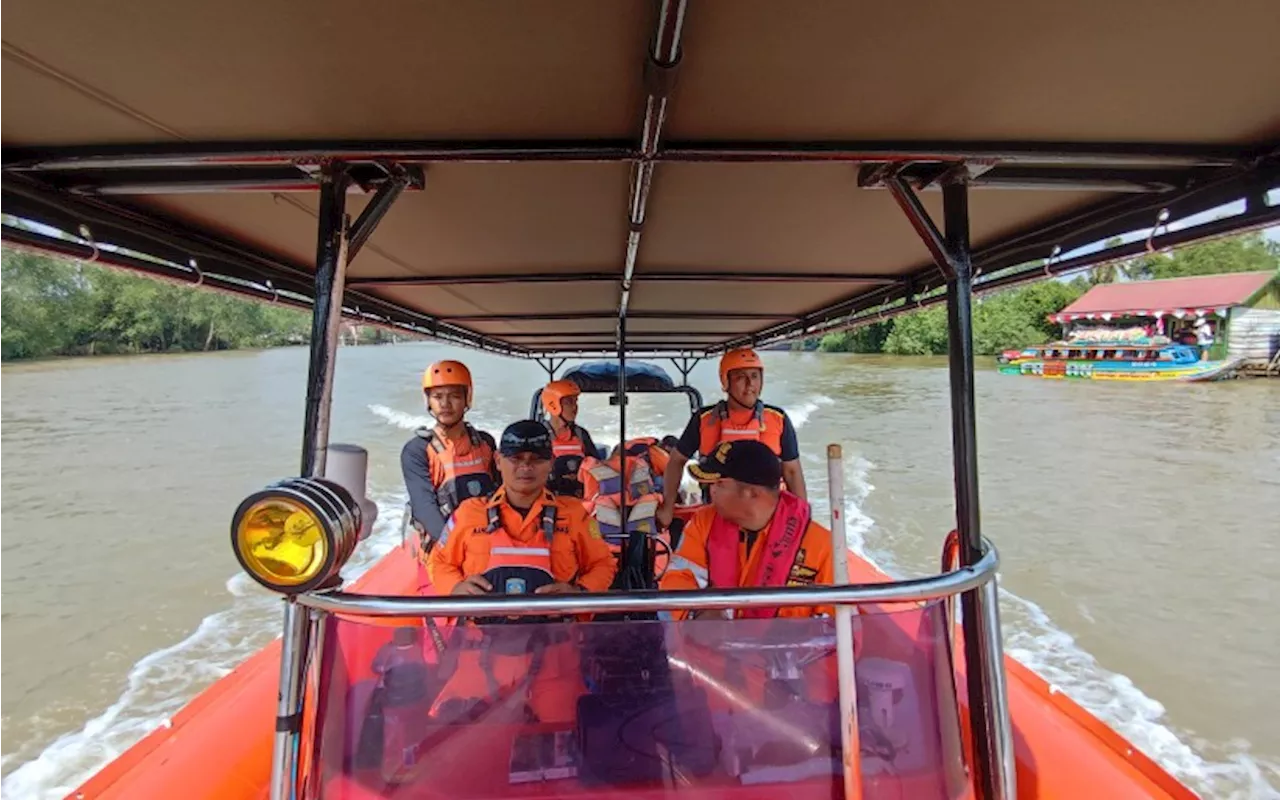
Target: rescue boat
x,y
532,180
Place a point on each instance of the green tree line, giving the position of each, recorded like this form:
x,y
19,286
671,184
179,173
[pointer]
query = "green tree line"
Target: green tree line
x,y
58,307
1018,317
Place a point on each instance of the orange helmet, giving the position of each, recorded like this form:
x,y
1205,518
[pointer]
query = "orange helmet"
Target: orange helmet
x,y
745,358
556,391
447,373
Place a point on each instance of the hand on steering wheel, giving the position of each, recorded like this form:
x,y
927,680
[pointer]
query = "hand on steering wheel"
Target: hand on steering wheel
x,y
472,585
518,581
559,588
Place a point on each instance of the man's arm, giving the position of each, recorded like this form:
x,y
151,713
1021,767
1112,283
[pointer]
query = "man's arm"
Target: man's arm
x,y
596,564
422,492
444,565
588,446
493,466
687,568
792,473
794,477
674,473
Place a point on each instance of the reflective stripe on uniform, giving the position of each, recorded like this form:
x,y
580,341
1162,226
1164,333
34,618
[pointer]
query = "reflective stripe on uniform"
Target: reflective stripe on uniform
x,y
501,551
700,573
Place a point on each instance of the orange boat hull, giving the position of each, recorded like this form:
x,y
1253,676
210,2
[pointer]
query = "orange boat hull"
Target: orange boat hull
x,y
219,745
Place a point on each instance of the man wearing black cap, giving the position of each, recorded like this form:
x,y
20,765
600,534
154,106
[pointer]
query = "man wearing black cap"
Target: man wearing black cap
x,y
522,526
521,539
752,534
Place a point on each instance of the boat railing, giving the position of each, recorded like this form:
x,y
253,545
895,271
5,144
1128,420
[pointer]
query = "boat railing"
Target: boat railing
x,y
954,581
915,590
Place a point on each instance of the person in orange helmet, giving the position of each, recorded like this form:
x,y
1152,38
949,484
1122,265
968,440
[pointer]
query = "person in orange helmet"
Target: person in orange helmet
x,y
741,416
449,462
570,442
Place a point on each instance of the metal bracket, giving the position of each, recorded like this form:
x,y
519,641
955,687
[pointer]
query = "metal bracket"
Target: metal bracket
x,y
685,365
400,178
550,365
923,224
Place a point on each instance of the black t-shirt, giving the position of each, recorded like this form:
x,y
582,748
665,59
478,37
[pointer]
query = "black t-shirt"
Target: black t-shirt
x,y
692,436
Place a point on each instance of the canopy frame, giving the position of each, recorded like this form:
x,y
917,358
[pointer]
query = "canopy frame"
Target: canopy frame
x,y
36,190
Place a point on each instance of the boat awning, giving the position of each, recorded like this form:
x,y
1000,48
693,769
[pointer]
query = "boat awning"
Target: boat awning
x,y
720,174
1179,297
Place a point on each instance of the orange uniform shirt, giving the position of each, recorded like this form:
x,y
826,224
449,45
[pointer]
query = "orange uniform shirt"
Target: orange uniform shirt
x,y
579,554
690,567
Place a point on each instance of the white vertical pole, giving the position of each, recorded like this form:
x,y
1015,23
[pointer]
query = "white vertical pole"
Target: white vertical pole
x,y
848,686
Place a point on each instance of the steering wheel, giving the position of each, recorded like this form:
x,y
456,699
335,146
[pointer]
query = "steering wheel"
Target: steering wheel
x,y
516,581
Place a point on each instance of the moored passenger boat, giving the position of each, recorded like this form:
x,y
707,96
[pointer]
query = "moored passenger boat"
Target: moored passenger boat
x,y
1115,361
566,197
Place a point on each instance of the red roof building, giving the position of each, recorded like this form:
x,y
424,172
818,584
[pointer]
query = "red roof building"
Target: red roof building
x,y
1179,297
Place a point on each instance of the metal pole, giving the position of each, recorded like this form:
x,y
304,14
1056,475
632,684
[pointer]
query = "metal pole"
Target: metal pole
x,y
293,647
848,685
989,770
636,576
326,317
1004,767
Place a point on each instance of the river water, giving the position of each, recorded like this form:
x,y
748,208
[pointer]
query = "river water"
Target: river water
x,y
1139,527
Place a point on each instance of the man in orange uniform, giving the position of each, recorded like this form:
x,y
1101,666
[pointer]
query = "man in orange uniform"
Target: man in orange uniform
x,y
524,531
741,416
570,442
752,534
450,461
576,555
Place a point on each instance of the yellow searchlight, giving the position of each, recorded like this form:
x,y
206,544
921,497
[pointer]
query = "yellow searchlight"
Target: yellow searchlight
x,y
295,535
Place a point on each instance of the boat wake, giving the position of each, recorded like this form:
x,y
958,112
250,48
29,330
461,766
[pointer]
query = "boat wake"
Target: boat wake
x,y
409,422
801,413
161,683
1033,639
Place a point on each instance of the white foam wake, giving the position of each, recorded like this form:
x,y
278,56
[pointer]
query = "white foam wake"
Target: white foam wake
x,y
1032,638
800,414
161,683
410,422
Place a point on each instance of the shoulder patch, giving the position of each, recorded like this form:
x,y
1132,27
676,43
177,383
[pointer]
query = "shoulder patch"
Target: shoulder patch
x,y
593,528
448,528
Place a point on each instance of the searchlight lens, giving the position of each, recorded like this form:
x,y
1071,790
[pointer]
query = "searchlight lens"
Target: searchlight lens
x,y
281,542
294,536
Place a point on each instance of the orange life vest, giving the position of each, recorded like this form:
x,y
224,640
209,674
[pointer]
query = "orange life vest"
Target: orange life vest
x,y
534,554
567,452
764,425
602,483
460,476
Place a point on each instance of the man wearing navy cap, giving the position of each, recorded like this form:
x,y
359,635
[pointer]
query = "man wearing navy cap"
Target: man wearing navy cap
x,y
753,533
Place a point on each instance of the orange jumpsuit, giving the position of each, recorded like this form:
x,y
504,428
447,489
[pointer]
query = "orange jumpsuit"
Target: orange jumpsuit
x,y
690,567
576,554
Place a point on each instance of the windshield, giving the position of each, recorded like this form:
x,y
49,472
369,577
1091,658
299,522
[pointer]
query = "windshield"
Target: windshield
x,y
725,709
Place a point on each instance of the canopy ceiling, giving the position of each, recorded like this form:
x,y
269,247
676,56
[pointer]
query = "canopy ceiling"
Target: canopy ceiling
x,y
770,132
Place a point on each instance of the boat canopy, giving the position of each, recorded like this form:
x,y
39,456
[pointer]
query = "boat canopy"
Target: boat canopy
x,y
602,376
522,177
